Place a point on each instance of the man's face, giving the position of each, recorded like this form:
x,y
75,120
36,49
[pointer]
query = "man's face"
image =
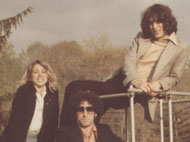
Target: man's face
x,y
85,114
157,30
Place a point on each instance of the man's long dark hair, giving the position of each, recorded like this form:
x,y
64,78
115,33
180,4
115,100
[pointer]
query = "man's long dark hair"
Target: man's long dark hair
x,y
158,13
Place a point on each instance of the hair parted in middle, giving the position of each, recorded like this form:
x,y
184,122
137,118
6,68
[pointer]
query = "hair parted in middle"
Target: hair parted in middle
x,y
158,13
89,96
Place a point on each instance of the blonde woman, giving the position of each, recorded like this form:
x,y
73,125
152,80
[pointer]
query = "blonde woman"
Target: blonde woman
x,y
34,115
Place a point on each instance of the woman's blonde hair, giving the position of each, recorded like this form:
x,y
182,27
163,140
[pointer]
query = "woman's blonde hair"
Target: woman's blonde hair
x,y
52,79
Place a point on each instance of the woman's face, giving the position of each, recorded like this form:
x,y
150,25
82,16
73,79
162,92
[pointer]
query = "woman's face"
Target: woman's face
x,y
39,76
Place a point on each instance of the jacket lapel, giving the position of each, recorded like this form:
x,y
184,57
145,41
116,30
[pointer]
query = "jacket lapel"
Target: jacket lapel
x,y
165,57
31,101
163,62
47,101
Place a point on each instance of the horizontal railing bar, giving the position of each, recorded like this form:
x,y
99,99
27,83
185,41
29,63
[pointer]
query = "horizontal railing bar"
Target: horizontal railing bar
x,y
178,93
115,95
133,90
162,93
178,101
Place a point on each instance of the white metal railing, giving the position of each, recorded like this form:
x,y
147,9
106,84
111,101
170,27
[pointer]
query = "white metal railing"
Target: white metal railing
x,y
131,94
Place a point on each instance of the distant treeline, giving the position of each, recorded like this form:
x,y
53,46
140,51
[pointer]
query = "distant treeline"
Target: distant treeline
x,y
93,59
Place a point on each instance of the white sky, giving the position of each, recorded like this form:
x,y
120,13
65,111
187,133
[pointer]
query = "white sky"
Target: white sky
x,y
57,20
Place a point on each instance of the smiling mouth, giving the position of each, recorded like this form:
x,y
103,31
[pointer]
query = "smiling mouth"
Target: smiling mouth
x,y
156,31
40,80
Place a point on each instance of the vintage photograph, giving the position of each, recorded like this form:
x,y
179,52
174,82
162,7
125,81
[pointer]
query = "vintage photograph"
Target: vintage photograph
x,y
94,71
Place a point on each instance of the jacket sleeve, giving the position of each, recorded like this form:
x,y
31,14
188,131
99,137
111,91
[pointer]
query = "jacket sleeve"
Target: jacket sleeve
x,y
17,117
129,66
177,69
18,110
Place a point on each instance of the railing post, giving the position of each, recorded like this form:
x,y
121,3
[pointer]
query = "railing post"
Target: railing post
x,y
127,124
161,121
170,118
132,95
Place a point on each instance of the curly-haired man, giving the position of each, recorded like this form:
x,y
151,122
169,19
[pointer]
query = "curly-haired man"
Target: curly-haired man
x,y
85,107
154,62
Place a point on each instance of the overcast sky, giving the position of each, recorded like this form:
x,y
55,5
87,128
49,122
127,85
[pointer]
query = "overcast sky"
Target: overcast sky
x,y
57,20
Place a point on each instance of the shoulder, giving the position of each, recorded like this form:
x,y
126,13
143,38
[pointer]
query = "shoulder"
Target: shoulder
x,y
106,134
140,38
104,129
68,134
62,132
22,94
25,87
67,130
103,126
183,49
182,44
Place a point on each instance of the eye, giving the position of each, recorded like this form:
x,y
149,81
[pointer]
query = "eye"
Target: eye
x,y
80,109
43,71
35,71
90,109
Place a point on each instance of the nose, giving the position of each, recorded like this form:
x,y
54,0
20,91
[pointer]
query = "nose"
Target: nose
x,y
154,25
85,113
40,74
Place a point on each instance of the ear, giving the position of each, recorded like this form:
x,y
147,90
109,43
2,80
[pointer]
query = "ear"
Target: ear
x,y
95,115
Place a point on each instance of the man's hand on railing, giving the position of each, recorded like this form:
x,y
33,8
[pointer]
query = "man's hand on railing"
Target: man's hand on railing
x,y
152,88
155,88
142,85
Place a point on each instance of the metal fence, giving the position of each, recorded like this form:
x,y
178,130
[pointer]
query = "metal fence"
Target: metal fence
x,y
164,97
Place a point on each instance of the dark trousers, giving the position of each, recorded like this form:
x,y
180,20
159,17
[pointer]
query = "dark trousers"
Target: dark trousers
x,y
111,86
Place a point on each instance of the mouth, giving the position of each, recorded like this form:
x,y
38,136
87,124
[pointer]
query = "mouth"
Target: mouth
x,y
40,79
156,31
85,120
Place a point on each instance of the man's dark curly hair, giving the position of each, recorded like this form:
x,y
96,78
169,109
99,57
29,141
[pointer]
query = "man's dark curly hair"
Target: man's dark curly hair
x,y
89,96
158,13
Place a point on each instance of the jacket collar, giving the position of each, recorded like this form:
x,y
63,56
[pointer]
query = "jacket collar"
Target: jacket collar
x,y
172,37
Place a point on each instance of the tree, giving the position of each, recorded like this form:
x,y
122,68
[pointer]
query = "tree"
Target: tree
x,y
7,24
10,65
5,31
